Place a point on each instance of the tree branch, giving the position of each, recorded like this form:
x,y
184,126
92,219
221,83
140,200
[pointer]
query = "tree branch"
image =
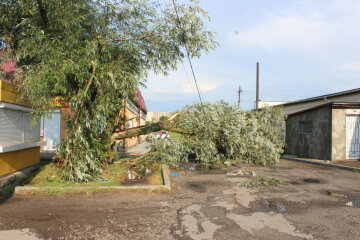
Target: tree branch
x,y
142,130
43,14
131,39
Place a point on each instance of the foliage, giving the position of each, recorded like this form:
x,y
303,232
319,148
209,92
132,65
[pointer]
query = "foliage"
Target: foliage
x,y
223,133
95,54
261,181
164,118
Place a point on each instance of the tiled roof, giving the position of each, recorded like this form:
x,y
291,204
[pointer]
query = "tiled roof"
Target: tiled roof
x,y
8,66
140,100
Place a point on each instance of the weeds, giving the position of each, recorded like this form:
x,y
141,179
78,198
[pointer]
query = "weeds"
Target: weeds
x,y
261,181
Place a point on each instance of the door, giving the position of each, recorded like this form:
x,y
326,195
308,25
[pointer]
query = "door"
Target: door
x,y
52,131
352,136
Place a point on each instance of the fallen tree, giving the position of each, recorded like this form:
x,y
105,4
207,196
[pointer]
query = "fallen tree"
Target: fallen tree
x,y
221,133
168,125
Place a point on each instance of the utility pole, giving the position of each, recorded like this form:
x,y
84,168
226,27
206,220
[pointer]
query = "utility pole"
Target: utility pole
x,y
239,92
257,86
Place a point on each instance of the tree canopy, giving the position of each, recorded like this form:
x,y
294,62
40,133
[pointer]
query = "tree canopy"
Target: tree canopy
x,y
95,54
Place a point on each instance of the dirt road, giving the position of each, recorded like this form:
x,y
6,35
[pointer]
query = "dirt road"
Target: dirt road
x,y
202,205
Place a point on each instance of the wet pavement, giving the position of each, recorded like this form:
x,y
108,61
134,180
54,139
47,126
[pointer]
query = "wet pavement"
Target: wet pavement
x,y
202,205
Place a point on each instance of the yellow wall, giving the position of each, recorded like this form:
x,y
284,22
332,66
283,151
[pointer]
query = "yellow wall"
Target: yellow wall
x,y
17,160
10,94
129,142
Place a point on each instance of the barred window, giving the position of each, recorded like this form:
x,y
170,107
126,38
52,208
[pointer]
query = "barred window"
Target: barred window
x,y
306,127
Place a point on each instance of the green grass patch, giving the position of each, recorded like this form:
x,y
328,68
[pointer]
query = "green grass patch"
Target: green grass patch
x,y
175,135
50,176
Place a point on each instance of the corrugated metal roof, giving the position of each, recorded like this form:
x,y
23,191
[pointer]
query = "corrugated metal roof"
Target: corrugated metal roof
x,y
337,94
333,104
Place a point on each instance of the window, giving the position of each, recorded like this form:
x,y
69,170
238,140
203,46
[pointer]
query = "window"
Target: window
x,y
306,127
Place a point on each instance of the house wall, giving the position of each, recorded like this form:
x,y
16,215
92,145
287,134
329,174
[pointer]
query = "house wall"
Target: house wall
x,y
316,145
10,94
19,142
137,119
338,134
16,160
130,124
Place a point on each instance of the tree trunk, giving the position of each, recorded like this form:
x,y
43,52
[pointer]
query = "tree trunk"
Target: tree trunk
x,y
142,130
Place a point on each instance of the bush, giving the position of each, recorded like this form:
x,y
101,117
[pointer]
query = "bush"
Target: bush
x,y
221,132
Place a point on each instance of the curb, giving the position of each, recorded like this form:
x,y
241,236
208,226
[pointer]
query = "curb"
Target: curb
x,y
164,172
330,165
18,174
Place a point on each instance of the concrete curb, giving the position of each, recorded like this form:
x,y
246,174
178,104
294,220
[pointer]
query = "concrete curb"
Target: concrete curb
x,y
165,175
18,174
323,164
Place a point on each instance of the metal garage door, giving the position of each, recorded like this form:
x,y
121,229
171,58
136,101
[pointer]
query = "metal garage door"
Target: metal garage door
x,y
352,137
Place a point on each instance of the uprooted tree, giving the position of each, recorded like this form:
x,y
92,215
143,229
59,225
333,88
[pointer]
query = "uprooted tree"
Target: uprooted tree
x,y
95,54
219,133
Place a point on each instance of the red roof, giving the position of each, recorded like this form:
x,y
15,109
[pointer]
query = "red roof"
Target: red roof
x,y
8,66
141,101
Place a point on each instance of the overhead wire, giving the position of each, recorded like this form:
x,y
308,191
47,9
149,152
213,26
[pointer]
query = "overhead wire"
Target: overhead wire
x,y
188,54
186,74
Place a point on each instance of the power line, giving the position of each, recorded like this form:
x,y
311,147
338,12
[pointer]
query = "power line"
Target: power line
x,y
188,54
186,74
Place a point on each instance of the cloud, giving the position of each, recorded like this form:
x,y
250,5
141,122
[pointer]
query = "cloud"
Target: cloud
x,y
351,67
204,85
181,83
283,31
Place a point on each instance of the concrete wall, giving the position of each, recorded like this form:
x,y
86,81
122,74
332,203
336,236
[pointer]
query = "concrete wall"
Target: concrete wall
x,y
316,145
338,135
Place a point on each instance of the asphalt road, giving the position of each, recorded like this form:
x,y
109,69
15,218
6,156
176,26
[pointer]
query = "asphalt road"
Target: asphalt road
x,y
203,205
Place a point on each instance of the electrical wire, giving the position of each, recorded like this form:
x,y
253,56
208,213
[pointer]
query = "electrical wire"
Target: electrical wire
x,y
188,55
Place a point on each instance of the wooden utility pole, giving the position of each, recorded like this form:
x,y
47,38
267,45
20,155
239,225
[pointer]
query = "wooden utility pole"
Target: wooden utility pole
x,y
239,92
257,86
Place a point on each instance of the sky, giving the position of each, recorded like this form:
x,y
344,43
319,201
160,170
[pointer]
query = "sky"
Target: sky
x,y
305,48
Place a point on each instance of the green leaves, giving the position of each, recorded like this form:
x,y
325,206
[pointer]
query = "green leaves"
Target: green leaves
x,y
57,43
223,133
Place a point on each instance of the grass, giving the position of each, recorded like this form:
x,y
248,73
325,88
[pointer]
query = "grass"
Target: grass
x,y
49,176
156,178
175,135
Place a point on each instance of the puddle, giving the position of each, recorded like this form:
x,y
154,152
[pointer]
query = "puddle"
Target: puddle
x,y
275,205
194,185
311,180
336,194
354,203
191,167
132,175
199,186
